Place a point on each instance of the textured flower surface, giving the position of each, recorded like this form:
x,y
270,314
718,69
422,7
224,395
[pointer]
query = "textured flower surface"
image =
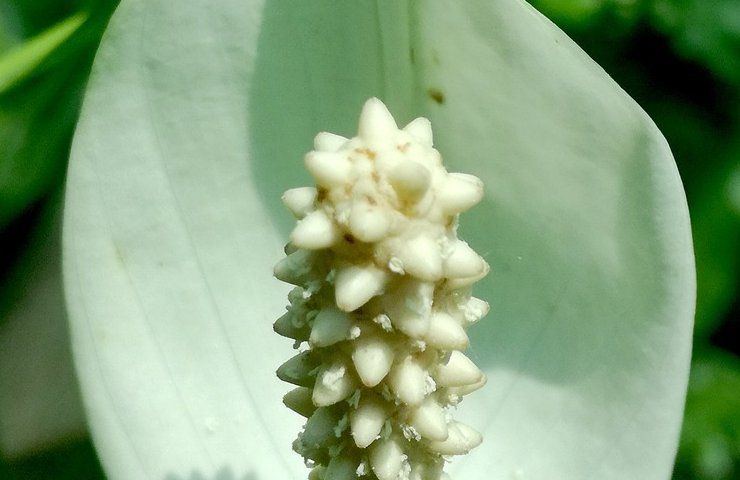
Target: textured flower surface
x,y
195,120
383,298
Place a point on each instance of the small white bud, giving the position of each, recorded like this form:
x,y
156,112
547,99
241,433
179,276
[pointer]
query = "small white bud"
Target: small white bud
x,y
410,180
299,200
330,326
458,283
355,285
459,370
329,169
459,192
421,129
410,307
446,333
328,142
475,309
460,440
407,380
463,390
333,384
373,357
421,257
376,123
367,421
463,262
429,420
386,459
368,223
315,231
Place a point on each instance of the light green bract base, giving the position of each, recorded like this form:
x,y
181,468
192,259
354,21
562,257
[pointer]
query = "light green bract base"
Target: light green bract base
x,y
383,299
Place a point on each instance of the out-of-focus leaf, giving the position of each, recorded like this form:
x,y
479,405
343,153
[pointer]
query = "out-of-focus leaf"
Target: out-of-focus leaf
x,y
577,14
76,461
37,118
39,399
699,145
21,61
36,123
716,228
9,32
710,441
30,17
705,30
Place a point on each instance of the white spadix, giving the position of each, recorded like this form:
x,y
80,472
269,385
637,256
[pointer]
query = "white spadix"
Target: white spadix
x,y
382,302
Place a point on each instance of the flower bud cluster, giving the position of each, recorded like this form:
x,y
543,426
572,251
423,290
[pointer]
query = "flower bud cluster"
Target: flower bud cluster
x,y
381,304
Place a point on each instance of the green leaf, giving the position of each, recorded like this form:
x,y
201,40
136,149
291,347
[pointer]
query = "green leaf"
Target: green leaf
x,y
69,462
39,398
37,117
36,124
716,227
173,223
22,60
710,441
708,32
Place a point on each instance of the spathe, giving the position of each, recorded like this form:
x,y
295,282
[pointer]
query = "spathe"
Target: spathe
x,y
196,120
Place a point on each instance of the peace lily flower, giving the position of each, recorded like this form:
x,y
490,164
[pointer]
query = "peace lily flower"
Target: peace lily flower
x,y
196,119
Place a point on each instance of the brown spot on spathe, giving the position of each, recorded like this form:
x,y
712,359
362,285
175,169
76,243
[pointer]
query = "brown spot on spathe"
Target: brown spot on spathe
x,y
437,95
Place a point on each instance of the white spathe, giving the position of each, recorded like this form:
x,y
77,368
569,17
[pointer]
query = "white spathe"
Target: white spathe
x,y
187,140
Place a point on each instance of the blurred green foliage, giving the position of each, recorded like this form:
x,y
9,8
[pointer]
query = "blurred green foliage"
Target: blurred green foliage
x,y
680,59
75,461
46,50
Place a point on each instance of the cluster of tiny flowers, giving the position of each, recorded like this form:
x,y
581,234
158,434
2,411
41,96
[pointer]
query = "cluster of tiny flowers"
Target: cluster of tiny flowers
x,y
382,300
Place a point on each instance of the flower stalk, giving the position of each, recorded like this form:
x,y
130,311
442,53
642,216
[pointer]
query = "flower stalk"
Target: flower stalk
x,y
382,301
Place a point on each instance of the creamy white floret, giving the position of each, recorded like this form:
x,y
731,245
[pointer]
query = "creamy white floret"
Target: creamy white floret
x,y
382,302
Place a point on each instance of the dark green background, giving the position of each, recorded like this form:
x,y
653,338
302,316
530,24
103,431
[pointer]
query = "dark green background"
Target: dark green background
x,y
680,59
